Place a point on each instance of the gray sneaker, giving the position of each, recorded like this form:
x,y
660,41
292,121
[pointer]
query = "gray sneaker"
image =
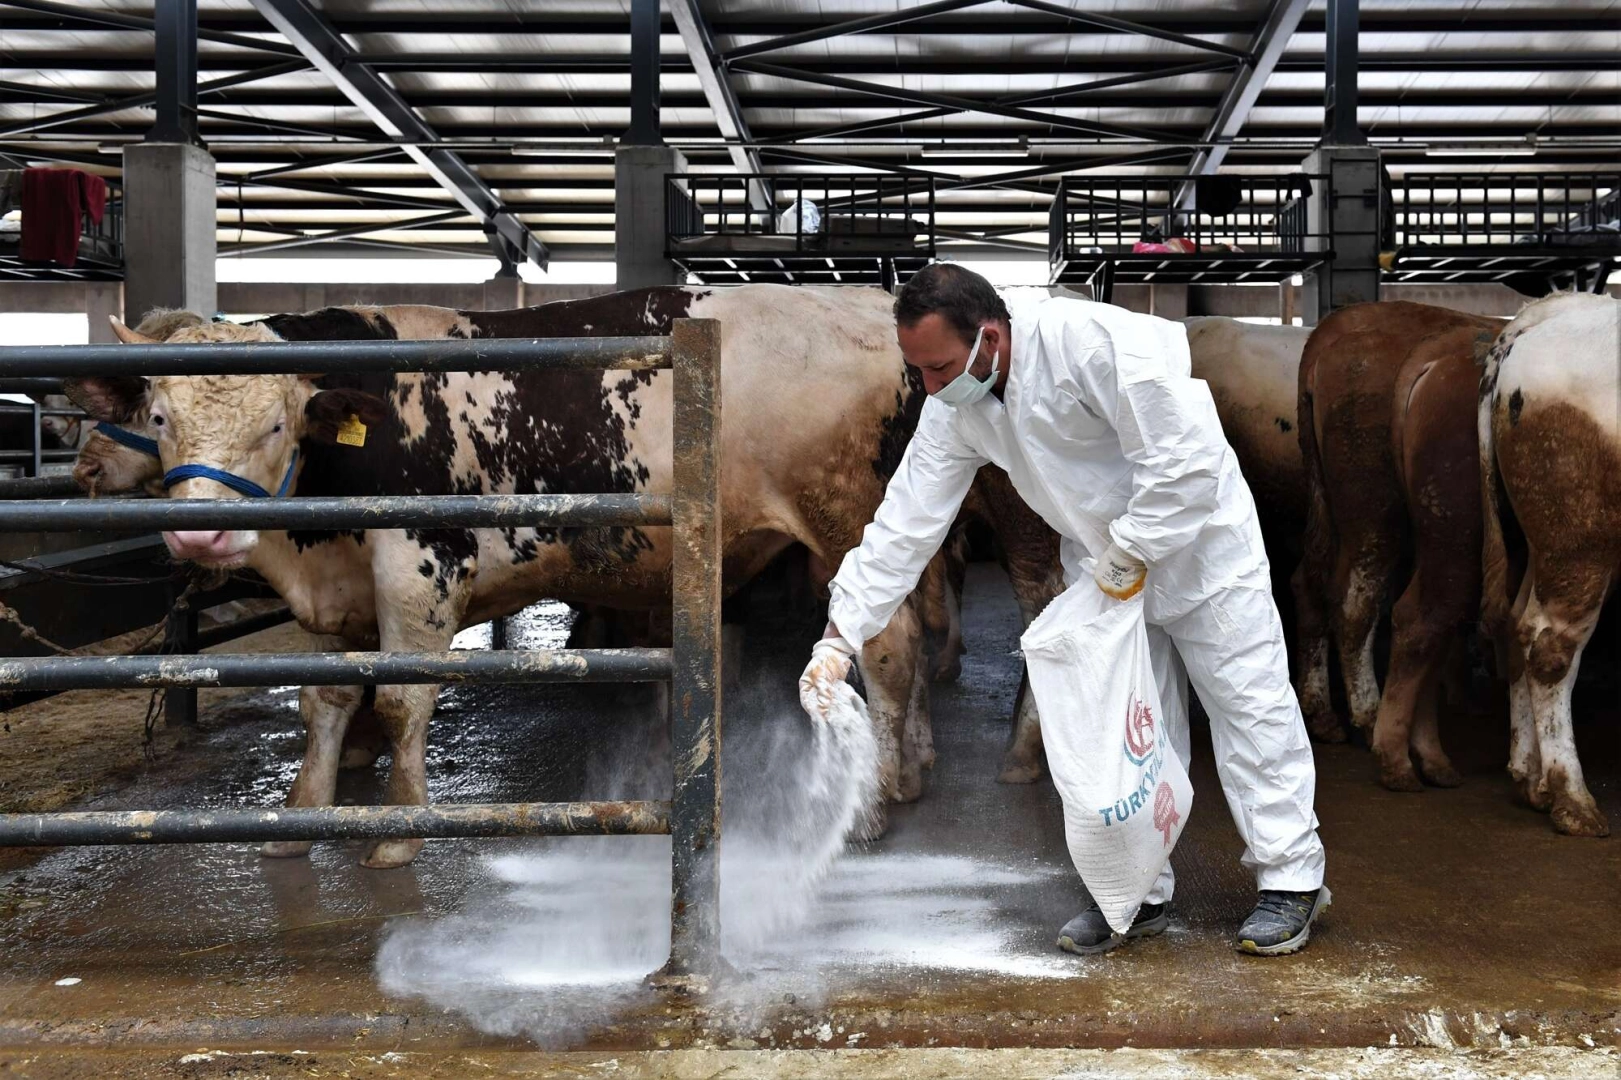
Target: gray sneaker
x,y
1089,933
1281,922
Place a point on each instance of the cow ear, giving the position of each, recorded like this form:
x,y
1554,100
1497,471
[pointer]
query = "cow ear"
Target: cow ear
x,y
113,398
328,414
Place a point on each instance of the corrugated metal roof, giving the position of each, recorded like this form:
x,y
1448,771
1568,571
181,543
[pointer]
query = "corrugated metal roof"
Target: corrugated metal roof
x,y
489,76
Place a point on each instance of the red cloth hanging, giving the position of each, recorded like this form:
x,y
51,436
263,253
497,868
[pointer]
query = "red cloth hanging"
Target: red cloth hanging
x,y
54,204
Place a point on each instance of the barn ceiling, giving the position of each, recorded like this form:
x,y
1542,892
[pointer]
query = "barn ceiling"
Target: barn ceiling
x,y
533,94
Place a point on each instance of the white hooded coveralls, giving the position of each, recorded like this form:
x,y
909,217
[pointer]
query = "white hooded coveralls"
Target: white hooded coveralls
x,y
1105,435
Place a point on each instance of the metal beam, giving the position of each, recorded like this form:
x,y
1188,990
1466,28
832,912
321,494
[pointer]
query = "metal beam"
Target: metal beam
x,y
951,101
141,101
1037,97
1124,26
1245,89
711,72
305,164
342,234
325,48
118,20
851,26
1340,64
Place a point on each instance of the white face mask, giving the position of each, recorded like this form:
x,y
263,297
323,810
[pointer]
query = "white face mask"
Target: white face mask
x,y
965,389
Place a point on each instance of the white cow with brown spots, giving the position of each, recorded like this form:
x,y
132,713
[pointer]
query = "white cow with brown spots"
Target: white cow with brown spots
x,y
813,421
1550,459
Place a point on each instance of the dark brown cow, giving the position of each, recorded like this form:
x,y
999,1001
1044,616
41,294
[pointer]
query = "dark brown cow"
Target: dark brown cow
x,y
1363,472
1436,452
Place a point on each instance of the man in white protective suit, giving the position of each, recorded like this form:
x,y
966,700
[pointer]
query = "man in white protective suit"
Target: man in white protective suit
x,y
1092,412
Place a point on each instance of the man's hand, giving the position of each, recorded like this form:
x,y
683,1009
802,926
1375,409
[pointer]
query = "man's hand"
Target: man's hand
x,y
1120,574
829,665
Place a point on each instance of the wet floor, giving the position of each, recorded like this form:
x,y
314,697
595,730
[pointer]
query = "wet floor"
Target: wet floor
x,y
1460,919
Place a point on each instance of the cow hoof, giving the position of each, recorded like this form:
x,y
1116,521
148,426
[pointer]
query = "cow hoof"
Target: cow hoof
x,y
1018,769
1400,779
910,787
947,673
1533,793
286,849
1441,774
872,826
359,757
1325,727
1579,819
391,854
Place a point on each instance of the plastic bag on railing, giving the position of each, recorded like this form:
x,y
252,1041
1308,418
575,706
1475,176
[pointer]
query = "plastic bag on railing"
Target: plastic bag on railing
x,y
803,216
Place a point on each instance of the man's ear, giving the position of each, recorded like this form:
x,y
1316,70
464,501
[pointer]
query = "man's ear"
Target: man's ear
x,y
328,414
113,398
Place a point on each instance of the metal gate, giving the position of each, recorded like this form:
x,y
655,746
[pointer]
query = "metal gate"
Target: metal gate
x,y
691,818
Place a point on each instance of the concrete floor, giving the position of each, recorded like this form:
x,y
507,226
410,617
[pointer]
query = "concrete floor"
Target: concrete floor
x,y
1460,920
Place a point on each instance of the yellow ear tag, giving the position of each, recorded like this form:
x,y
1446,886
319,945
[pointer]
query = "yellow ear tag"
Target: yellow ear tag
x,y
352,432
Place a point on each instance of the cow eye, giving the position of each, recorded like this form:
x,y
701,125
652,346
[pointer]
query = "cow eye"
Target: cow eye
x,y
157,421
276,430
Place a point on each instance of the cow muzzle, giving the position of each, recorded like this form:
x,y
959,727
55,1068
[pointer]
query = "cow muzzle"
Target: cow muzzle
x,y
224,550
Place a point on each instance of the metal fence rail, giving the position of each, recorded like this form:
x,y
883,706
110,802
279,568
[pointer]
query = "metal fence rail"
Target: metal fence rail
x,y
692,666
324,357
342,512
332,823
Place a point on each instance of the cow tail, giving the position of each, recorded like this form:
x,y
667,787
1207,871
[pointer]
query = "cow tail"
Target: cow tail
x,y
1499,581
1317,559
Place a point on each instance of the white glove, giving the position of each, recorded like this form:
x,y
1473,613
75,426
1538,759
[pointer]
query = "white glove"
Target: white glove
x,y
1119,574
829,665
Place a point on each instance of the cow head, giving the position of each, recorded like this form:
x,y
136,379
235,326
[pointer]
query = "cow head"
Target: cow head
x,y
106,465
242,426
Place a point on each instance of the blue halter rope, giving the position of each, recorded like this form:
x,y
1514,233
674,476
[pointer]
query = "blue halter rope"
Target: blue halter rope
x,y
239,484
128,438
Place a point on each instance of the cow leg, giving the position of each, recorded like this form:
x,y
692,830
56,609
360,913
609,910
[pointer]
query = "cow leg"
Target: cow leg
x,y
942,619
731,656
1311,636
1433,763
1557,625
1024,761
326,711
1361,585
888,664
1417,646
422,593
919,744
364,741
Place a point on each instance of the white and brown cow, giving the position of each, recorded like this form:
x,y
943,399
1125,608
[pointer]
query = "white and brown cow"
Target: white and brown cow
x,y
819,410
1550,461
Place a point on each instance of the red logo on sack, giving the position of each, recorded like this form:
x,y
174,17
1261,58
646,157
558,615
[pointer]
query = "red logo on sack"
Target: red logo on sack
x,y
1139,731
1165,815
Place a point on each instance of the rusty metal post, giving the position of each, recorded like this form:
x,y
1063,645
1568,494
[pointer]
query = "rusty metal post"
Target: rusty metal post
x,y
695,685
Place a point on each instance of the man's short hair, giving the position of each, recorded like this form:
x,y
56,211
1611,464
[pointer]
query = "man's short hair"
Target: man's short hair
x,y
961,297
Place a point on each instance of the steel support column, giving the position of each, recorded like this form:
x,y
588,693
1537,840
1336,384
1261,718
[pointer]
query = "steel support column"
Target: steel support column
x,y
1340,64
644,74
175,66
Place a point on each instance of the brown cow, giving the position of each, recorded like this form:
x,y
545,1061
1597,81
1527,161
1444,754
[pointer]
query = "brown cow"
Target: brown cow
x,y
1550,441
1436,453
1358,522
